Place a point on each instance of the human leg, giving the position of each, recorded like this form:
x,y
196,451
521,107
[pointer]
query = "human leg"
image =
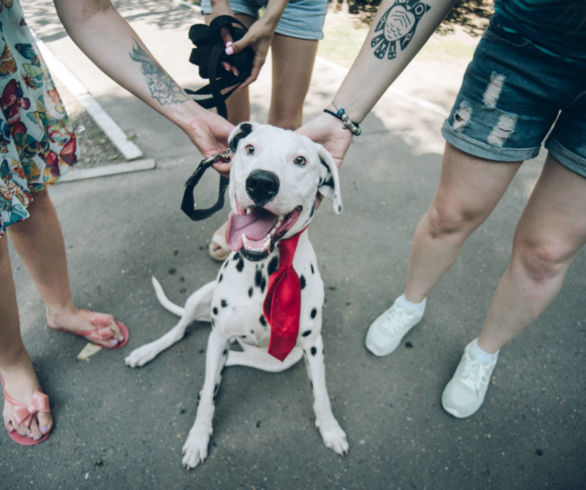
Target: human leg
x,y
238,107
468,191
15,363
292,65
550,232
39,242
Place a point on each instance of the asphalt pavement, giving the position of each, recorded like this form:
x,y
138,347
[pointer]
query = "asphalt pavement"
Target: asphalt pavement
x,y
122,428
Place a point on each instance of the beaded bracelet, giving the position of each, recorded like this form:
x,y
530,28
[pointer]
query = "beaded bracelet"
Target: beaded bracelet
x,y
340,113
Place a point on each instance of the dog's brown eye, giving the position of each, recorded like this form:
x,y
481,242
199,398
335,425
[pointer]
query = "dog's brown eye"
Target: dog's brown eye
x,y
301,161
249,149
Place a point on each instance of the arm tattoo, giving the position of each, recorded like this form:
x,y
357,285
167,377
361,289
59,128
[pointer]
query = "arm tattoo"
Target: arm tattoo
x,y
397,24
163,89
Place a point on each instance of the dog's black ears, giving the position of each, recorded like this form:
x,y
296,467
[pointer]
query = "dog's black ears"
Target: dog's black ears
x,y
330,183
239,132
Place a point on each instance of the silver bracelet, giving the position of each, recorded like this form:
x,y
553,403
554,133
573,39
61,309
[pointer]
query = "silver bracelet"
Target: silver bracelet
x,y
347,123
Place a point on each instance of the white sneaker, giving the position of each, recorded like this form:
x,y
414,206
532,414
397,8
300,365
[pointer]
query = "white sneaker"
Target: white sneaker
x,y
464,394
386,332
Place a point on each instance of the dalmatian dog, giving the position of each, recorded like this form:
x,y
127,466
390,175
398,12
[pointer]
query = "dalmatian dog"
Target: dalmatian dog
x,y
277,180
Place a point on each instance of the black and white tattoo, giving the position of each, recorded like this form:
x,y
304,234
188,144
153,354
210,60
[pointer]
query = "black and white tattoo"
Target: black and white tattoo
x,y
163,89
397,24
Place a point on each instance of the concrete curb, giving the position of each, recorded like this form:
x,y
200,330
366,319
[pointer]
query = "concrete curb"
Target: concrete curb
x,y
106,170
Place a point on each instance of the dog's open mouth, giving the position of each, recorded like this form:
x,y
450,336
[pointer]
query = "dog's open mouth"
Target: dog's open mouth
x,y
254,231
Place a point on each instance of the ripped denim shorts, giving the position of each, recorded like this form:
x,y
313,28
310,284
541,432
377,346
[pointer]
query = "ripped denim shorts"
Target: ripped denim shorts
x,y
512,95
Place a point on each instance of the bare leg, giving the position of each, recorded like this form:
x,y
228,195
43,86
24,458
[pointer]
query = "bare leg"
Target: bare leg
x,y
469,190
550,232
15,364
292,60
39,242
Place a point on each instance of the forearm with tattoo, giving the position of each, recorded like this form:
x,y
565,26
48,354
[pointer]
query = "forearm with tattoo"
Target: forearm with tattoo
x,y
162,87
397,25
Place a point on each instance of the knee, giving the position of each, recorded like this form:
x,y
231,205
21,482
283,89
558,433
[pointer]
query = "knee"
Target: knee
x,y
444,218
541,260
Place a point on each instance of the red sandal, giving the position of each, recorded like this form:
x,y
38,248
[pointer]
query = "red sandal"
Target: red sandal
x,y
101,332
24,415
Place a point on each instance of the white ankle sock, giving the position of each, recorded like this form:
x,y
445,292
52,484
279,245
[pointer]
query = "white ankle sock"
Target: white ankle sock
x,y
480,355
413,308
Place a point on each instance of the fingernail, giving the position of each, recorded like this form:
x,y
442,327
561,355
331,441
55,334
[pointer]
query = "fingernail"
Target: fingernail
x,y
36,437
226,66
44,429
229,50
113,342
228,44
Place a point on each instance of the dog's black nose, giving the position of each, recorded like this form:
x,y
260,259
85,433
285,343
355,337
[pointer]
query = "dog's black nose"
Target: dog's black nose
x,y
262,186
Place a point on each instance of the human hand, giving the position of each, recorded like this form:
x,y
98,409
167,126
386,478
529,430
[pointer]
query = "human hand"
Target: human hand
x,y
329,132
259,37
209,132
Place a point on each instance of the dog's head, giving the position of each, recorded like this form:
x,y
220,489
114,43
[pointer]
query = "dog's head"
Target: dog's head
x,y
277,180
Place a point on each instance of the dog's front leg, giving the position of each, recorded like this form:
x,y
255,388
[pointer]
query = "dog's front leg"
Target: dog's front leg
x,y
331,432
195,449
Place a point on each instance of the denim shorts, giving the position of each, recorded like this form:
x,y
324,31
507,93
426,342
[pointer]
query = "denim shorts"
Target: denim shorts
x,y
512,95
302,19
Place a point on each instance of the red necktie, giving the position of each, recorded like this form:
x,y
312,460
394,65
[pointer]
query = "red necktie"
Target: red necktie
x,y
282,304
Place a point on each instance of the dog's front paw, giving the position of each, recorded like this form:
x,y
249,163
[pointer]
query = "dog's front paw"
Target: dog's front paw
x,y
195,449
139,357
333,436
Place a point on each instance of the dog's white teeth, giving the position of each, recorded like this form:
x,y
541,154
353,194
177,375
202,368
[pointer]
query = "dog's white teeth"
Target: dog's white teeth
x,y
263,246
248,210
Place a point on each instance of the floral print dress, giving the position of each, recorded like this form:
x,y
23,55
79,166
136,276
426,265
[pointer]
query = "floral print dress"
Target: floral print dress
x,y
37,143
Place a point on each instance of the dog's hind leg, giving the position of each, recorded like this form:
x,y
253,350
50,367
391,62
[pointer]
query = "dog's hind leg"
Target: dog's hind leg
x,y
331,432
197,307
258,358
195,449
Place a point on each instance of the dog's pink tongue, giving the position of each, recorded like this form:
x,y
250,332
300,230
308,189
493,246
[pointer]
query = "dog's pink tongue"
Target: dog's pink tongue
x,y
256,225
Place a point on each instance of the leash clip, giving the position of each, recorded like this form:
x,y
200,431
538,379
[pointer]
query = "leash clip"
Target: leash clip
x,y
188,202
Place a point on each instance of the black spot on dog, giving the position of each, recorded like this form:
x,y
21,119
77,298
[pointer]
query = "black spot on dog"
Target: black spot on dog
x,y
245,130
273,265
225,353
313,313
214,311
313,351
250,292
312,269
220,278
306,333
302,281
223,303
263,320
259,280
236,256
240,264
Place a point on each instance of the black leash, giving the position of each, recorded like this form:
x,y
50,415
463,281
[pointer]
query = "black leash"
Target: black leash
x,y
209,54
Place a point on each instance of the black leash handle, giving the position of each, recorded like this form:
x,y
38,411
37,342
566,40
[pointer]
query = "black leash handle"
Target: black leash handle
x,y
188,202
